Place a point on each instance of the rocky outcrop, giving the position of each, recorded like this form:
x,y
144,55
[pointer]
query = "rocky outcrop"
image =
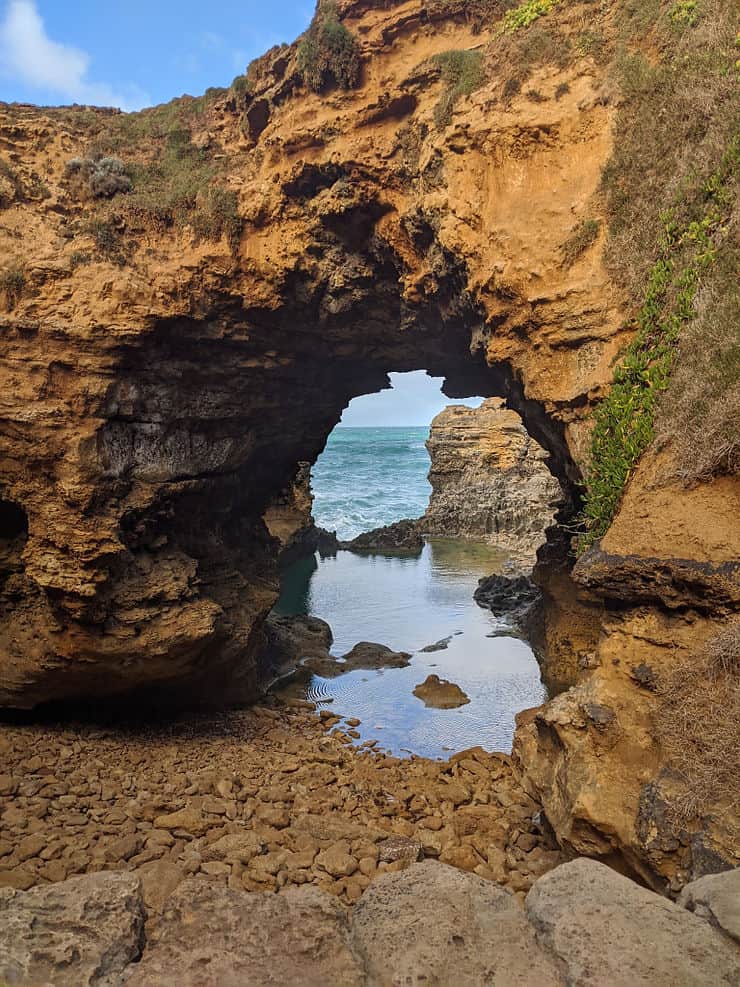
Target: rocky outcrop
x,y
402,537
490,481
159,385
289,520
582,924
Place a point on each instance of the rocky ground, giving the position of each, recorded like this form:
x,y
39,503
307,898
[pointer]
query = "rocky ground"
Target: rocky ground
x,y
582,924
258,800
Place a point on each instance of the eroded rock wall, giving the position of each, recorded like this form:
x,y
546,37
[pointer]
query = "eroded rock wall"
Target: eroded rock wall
x,y
490,481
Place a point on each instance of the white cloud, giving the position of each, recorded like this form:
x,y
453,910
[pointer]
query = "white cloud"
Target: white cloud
x,y
30,56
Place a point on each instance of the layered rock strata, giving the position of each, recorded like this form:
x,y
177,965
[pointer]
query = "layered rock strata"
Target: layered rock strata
x,y
490,481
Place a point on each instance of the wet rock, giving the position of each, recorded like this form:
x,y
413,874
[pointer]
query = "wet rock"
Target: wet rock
x,y
364,656
211,936
403,537
440,694
433,925
85,932
290,640
515,598
716,898
437,646
605,929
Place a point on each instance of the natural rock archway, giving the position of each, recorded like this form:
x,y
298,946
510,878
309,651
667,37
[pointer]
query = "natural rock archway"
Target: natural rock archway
x,y
159,384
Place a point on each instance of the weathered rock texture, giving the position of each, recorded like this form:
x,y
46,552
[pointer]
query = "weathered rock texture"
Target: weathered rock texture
x,y
490,480
156,399
428,924
151,414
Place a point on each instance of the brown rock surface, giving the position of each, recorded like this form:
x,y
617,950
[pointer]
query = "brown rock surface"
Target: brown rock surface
x,y
489,481
84,932
158,400
263,800
440,694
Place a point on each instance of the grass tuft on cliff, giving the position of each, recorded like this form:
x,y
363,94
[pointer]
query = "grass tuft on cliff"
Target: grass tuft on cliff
x,y
329,54
527,13
696,724
462,73
168,180
12,285
671,191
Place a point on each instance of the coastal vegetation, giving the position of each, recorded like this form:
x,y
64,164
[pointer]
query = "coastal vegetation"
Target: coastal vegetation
x,y
462,73
670,188
329,53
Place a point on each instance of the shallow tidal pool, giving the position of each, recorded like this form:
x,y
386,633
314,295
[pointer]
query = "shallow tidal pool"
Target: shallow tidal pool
x,y
409,603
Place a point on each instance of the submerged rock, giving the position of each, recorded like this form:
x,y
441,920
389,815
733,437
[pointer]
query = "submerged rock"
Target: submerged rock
x,y
437,646
440,694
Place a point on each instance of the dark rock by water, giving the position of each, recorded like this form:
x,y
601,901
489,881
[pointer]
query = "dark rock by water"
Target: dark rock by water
x,y
515,598
403,536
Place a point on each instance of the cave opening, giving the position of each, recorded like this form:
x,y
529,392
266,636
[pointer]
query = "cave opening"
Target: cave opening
x,y
378,594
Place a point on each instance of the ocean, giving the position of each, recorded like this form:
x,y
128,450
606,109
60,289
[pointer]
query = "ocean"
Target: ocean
x,y
369,477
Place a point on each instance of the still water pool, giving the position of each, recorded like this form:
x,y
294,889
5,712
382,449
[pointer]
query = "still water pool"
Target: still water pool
x,y
408,603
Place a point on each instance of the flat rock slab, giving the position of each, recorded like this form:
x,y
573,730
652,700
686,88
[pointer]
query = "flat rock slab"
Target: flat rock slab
x,y
434,926
213,937
608,931
82,932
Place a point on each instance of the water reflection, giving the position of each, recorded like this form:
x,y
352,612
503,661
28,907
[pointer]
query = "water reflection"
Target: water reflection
x,y
409,603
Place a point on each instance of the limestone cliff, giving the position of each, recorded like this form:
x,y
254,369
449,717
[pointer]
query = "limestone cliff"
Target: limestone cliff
x,y
489,481
170,355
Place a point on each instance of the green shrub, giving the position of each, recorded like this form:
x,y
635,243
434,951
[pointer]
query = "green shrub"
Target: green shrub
x,y
106,236
462,73
684,13
103,176
580,239
527,13
329,54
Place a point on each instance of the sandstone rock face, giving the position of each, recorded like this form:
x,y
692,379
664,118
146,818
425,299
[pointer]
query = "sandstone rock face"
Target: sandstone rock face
x,y
289,520
424,923
606,930
153,414
489,480
717,899
155,404
437,926
85,931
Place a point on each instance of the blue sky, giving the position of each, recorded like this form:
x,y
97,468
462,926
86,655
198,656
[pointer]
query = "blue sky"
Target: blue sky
x,y
414,400
134,53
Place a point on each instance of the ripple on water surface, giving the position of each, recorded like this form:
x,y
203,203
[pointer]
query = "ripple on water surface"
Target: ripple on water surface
x,y
407,604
